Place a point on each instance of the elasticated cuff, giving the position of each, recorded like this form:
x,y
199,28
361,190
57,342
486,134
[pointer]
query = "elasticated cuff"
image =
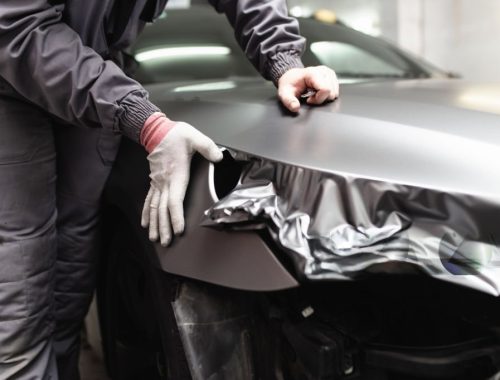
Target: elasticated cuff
x,y
155,129
135,111
283,61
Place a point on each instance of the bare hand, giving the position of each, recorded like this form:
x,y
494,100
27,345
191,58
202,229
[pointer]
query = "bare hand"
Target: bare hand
x,y
296,81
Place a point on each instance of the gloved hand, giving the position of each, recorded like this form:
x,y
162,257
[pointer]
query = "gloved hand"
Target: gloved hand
x,y
169,162
296,81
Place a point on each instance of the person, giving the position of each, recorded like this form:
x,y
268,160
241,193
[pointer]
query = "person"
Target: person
x,y
61,68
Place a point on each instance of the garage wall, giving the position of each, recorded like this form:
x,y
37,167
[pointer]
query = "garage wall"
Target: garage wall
x,y
456,35
461,35
376,17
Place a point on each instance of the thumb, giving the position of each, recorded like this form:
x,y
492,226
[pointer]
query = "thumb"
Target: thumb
x,y
286,94
206,147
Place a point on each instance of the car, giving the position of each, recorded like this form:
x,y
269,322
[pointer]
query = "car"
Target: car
x,y
167,52
355,240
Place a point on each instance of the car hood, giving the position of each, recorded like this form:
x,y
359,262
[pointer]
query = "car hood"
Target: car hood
x,y
391,172
441,134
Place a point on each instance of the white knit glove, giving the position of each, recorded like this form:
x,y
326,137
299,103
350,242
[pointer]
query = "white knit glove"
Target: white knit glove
x,y
170,164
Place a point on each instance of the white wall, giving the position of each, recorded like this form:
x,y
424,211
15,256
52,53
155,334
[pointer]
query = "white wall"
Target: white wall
x,y
462,35
456,35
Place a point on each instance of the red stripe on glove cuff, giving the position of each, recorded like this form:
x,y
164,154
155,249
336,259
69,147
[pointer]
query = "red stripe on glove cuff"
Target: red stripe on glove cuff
x,y
155,129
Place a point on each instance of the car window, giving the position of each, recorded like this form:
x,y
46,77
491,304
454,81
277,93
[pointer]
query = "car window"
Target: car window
x,y
354,54
168,51
348,60
167,62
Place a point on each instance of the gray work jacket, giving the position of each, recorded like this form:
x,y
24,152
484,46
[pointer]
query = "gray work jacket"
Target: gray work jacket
x,y
55,55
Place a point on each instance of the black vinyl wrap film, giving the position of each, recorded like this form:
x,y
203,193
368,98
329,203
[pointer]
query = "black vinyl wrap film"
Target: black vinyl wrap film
x,y
337,226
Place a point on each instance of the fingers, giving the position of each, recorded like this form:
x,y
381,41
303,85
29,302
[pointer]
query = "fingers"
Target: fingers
x,y
178,186
170,162
153,215
324,81
319,98
288,96
164,220
206,147
145,209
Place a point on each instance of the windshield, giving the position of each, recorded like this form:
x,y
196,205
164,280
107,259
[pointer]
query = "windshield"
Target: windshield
x,y
168,51
350,60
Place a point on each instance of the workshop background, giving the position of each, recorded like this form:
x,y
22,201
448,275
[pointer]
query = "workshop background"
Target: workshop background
x,y
455,35
458,36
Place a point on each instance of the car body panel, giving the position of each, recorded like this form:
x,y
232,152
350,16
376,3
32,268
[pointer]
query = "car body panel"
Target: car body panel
x,y
395,153
236,259
425,133
434,133
419,133
240,259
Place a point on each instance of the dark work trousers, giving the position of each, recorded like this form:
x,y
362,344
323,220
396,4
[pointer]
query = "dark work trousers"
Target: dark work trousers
x,y
51,181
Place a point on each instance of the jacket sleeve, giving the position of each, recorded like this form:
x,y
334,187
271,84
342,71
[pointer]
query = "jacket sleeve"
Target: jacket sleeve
x,y
265,32
46,62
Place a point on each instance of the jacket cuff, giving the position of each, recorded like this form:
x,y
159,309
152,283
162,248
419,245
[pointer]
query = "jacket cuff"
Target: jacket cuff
x,y
281,62
135,110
